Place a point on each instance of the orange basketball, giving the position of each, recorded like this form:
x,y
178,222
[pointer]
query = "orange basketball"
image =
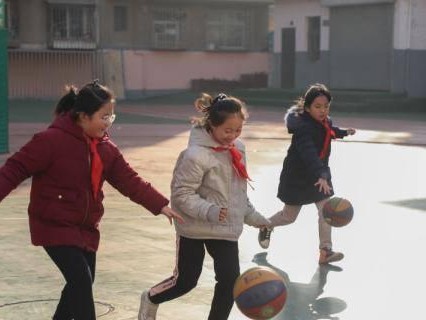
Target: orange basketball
x,y
338,212
260,293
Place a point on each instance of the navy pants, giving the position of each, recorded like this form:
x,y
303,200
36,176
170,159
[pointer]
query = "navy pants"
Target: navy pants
x,y
78,268
190,257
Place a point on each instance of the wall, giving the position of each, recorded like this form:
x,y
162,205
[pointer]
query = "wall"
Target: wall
x,y
146,71
32,24
409,56
407,64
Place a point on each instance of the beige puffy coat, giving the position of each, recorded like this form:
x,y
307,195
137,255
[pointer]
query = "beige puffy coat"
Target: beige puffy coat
x,y
203,182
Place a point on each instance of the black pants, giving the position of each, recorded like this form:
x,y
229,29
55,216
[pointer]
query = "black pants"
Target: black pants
x,y
190,257
78,268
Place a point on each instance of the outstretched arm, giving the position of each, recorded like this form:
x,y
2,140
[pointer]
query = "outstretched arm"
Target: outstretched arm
x,y
170,214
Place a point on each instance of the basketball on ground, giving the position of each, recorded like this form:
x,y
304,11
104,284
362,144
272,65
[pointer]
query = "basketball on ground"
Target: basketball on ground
x,y
260,293
338,212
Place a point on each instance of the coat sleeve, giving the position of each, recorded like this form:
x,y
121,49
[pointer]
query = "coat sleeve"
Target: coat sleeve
x,y
34,157
128,182
340,133
254,218
187,178
309,154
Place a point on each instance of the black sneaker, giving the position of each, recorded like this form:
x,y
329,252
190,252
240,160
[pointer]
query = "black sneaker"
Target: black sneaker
x,y
264,237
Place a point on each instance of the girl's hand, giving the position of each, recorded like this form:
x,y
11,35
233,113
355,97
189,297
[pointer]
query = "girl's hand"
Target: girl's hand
x,y
223,214
323,186
351,131
170,214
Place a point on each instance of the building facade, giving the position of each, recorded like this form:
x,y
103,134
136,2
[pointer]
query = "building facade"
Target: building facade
x,y
351,44
137,47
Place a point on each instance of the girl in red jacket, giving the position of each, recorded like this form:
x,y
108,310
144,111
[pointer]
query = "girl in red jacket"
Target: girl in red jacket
x,y
68,163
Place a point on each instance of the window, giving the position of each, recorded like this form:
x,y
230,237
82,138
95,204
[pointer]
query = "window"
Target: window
x,y
314,36
11,19
168,26
227,29
120,18
72,26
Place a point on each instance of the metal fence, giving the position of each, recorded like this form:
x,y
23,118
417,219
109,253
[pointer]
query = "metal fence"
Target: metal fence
x,y
44,74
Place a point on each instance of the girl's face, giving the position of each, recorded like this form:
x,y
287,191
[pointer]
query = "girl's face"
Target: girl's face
x,y
96,125
319,108
227,132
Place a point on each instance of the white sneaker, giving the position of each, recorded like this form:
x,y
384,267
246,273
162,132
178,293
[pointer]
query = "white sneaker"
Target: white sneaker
x,y
147,309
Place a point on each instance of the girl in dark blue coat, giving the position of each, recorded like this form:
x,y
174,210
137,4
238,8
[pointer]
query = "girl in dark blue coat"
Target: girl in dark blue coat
x,y
305,177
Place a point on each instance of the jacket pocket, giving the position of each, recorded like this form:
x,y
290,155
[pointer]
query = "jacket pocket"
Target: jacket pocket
x,y
62,206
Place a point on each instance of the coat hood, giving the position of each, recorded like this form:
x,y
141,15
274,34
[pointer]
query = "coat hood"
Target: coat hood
x,y
200,137
293,118
66,123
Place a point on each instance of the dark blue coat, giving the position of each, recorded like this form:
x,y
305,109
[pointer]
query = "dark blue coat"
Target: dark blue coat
x,y
302,166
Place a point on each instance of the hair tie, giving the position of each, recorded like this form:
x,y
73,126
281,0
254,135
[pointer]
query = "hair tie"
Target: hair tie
x,y
220,97
95,83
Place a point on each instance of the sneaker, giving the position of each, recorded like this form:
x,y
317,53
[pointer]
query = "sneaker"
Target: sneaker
x,y
264,237
327,255
147,309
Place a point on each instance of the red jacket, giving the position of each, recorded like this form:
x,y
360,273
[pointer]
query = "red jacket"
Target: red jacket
x,y
62,208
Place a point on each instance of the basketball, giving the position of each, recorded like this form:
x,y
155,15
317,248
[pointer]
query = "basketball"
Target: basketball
x,y
338,212
260,293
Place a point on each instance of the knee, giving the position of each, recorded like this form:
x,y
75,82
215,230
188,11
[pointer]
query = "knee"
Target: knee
x,y
81,278
284,218
227,277
186,284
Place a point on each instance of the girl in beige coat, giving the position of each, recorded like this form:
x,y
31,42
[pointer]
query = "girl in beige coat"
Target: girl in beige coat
x,y
209,190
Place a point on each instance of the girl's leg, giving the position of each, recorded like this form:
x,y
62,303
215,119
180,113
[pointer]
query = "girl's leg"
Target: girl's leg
x,y
78,269
189,264
227,270
326,252
324,229
286,216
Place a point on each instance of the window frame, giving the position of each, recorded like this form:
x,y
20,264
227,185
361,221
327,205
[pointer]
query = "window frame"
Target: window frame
x,y
223,24
72,26
168,27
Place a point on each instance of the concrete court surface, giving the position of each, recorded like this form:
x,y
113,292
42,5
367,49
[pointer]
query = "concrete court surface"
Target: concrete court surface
x,y
381,170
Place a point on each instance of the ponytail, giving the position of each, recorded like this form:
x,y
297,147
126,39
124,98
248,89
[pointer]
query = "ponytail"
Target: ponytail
x,y
67,102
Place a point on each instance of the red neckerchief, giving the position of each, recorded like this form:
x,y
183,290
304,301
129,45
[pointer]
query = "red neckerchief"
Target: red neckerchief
x,y
238,165
329,133
96,166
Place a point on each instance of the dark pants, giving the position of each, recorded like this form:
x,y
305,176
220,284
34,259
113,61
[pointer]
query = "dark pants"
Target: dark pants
x,y
190,257
78,268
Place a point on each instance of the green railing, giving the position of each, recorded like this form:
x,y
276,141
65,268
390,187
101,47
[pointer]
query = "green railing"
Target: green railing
x,y
4,108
